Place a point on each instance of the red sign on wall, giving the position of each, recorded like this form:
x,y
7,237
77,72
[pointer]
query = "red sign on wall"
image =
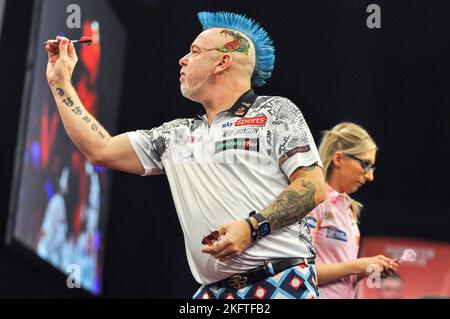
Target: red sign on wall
x,y
427,277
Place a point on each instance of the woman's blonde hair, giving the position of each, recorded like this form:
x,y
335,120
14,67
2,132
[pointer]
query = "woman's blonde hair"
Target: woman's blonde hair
x,y
348,138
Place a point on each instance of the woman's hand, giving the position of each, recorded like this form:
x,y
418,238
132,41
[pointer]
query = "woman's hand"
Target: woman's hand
x,y
368,265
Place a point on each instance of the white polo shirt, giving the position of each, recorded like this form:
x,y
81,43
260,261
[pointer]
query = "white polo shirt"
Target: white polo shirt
x,y
220,173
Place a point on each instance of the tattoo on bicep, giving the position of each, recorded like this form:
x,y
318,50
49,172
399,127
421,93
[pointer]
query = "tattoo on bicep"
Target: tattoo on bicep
x,y
291,206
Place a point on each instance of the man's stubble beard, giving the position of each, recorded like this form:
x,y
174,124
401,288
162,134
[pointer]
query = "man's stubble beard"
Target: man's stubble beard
x,y
192,92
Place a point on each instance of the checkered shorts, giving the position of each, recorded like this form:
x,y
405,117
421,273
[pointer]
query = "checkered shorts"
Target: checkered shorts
x,y
298,282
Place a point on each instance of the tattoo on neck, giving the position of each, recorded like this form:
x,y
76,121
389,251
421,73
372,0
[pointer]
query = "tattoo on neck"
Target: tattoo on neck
x,y
291,206
238,44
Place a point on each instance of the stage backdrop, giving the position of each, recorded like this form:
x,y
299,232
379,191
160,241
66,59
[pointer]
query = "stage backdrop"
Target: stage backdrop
x,y
427,277
59,204
2,10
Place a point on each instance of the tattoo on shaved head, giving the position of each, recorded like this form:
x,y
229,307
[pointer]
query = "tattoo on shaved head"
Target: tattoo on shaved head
x,y
238,44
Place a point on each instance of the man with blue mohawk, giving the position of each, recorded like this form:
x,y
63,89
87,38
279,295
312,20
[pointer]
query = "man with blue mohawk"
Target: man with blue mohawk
x,y
246,171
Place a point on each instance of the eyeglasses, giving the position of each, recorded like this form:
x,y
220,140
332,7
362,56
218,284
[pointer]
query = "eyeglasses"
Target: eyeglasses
x,y
365,164
211,238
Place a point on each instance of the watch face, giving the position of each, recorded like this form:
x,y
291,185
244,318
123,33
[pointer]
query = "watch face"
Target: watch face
x,y
264,229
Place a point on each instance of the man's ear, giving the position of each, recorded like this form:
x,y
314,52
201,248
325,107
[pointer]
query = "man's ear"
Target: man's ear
x,y
224,63
337,158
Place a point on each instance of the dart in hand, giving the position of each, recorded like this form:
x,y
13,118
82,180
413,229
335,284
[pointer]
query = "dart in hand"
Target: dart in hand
x,y
408,256
85,40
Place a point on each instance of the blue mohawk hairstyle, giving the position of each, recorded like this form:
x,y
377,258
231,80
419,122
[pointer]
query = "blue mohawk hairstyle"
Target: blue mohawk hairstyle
x,y
264,48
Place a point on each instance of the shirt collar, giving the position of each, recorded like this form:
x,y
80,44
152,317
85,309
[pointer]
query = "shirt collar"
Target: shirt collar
x,y
241,106
334,195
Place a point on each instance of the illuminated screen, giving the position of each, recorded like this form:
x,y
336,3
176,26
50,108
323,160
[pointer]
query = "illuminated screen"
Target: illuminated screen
x,y
2,10
59,206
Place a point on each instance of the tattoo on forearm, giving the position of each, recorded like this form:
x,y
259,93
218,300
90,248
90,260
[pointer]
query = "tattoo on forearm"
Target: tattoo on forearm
x,y
68,101
77,111
291,206
60,91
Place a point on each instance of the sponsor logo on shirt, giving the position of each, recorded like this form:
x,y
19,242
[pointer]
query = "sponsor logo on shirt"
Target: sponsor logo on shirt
x,y
259,120
311,222
336,234
196,139
246,144
300,149
328,216
187,156
227,124
241,131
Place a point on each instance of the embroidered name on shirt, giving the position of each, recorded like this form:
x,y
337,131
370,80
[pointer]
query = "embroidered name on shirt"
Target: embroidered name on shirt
x,y
242,130
246,144
259,120
336,234
300,149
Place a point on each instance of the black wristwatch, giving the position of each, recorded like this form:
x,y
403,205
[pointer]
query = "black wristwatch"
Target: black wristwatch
x,y
253,232
263,228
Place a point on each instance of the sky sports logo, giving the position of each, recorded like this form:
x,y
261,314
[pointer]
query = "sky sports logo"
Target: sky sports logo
x,y
246,144
254,121
258,120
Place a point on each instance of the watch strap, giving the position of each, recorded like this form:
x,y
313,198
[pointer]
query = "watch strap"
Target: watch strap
x,y
253,232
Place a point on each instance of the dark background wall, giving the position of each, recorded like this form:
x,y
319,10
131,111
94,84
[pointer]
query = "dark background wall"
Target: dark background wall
x,y
390,80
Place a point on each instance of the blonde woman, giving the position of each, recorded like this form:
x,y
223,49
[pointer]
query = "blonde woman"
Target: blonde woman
x,y
348,154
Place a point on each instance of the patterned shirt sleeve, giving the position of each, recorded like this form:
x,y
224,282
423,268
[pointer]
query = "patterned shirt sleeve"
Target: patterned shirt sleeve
x,y
150,146
293,141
